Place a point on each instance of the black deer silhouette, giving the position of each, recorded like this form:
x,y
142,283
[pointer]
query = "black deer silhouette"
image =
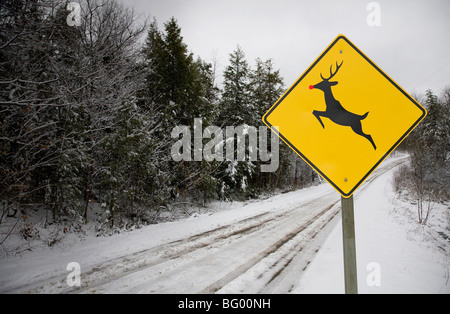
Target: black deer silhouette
x,y
335,112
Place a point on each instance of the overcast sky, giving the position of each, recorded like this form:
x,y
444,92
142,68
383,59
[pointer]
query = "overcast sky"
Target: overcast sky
x,y
412,45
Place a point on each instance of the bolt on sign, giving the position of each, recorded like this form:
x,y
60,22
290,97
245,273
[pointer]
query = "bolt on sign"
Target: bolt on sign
x,y
344,116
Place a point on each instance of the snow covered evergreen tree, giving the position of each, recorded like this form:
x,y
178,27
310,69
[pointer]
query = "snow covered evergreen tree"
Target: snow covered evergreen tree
x,y
182,90
236,105
236,110
266,85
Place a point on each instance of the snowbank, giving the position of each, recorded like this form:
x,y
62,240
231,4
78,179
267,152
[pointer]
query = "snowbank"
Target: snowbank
x,y
394,253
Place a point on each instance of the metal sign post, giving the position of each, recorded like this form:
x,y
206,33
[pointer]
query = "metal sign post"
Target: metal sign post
x,y
348,231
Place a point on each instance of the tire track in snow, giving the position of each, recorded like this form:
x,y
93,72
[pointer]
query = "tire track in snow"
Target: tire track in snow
x,y
264,271
117,268
207,267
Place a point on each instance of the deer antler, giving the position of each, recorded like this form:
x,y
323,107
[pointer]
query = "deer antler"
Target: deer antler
x,y
331,71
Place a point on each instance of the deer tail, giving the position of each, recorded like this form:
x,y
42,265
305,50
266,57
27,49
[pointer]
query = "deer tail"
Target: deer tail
x,y
364,116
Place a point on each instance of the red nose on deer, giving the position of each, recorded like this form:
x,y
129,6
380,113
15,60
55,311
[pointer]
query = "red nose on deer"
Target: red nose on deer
x,y
335,112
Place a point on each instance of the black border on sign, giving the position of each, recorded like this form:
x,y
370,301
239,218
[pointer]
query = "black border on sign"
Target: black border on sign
x,y
265,118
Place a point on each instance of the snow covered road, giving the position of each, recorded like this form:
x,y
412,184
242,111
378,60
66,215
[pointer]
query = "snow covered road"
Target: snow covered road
x,y
262,245
259,247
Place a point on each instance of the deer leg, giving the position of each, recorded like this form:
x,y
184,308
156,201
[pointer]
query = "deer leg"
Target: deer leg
x,y
367,136
370,140
357,128
319,114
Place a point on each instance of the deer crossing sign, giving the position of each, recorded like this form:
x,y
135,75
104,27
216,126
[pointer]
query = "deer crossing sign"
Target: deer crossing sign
x,y
344,116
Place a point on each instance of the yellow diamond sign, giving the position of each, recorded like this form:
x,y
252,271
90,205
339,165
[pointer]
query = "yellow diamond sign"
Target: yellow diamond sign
x,y
344,116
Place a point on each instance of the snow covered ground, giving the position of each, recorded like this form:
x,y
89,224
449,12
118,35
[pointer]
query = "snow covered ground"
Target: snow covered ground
x,y
394,253
290,243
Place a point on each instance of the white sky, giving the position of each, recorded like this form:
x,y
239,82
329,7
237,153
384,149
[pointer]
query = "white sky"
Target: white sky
x,y
412,45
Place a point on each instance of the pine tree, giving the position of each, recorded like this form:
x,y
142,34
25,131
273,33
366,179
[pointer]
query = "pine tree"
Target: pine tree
x,y
236,110
236,105
176,83
181,90
266,87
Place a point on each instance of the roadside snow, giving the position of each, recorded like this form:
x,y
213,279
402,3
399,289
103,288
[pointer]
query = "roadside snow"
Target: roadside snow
x,y
394,253
43,264
403,256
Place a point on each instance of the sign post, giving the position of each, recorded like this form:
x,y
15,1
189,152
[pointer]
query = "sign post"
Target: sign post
x,y
344,116
348,232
